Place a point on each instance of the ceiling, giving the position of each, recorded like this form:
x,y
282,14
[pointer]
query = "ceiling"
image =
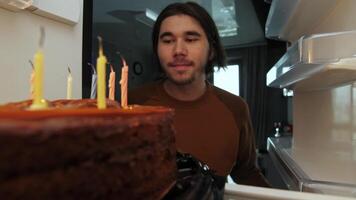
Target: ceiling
x,y
114,19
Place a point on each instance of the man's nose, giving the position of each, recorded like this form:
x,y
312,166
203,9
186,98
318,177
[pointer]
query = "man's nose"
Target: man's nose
x,y
180,48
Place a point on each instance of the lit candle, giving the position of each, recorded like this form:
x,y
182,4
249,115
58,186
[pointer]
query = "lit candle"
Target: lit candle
x,y
123,82
38,101
69,84
93,82
100,68
112,84
32,81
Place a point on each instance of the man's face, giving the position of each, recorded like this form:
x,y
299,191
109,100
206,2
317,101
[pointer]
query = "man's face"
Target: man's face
x,y
183,49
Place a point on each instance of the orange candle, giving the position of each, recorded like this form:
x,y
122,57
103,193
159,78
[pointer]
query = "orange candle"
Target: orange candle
x,y
123,82
112,84
32,81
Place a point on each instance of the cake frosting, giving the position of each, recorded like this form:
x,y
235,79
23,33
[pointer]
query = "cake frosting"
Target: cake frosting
x,y
72,150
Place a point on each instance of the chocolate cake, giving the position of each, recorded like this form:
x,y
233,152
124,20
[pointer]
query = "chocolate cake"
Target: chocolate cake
x,y
73,150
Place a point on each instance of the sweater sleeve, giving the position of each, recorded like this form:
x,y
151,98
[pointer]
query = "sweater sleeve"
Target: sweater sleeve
x,y
245,170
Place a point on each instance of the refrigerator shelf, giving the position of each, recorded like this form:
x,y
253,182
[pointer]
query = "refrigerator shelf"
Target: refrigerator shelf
x,y
316,62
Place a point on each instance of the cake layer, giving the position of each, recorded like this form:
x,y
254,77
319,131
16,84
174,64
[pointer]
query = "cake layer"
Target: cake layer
x,y
73,150
60,103
29,145
105,179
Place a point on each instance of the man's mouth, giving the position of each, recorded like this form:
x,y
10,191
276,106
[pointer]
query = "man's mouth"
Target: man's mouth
x,y
181,65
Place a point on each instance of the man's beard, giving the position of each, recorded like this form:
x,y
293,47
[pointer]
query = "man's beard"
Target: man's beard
x,y
185,77
181,81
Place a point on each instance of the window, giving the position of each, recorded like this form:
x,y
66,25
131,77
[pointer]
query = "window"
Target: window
x,y
228,79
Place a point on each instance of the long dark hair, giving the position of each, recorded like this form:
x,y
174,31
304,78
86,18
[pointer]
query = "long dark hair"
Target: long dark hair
x,y
207,23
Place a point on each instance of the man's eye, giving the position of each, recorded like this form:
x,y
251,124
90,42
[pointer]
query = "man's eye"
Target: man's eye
x,y
193,39
167,41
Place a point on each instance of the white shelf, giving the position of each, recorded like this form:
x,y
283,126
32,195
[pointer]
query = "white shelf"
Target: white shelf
x,y
316,62
330,174
238,192
65,11
289,20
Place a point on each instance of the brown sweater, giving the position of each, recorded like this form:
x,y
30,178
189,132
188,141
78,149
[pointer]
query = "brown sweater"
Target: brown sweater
x,y
215,128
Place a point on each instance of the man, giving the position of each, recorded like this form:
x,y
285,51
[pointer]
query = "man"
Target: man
x,y
211,124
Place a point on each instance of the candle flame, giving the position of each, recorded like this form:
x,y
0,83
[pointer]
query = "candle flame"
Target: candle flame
x,y
92,67
122,58
101,53
111,68
31,63
42,36
69,70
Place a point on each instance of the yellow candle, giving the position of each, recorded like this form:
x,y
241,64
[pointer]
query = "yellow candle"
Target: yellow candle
x,y
69,84
38,101
100,69
112,84
123,82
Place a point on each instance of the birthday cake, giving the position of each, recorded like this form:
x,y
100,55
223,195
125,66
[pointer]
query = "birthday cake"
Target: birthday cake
x,y
72,150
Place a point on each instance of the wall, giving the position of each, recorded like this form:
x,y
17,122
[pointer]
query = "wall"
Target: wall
x,y
115,22
19,41
342,18
133,41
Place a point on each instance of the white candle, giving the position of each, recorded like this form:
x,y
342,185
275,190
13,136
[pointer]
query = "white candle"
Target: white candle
x,y
112,84
69,84
93,82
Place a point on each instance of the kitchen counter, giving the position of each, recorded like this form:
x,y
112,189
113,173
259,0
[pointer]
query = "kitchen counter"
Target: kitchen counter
x,y
314,170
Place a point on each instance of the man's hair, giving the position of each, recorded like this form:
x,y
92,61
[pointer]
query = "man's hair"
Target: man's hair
x,y
206,22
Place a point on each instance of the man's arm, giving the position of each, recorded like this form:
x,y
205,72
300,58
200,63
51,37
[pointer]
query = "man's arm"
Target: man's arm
x,y
245,170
